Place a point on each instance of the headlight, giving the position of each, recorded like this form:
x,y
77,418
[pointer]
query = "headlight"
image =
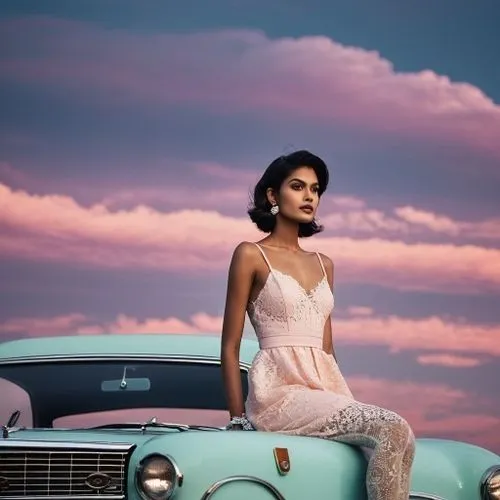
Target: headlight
x,y
490,485
157,477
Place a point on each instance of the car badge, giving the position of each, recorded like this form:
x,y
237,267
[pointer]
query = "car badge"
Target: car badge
x,y
98,481
282,460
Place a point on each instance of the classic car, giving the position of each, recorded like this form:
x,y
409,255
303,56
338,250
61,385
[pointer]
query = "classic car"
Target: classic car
x,y
143,417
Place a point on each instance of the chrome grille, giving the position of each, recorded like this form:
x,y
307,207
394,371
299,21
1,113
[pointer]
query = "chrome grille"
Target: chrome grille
x,y
81,472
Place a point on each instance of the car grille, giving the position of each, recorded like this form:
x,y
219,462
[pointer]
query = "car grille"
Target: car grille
x,y
46,471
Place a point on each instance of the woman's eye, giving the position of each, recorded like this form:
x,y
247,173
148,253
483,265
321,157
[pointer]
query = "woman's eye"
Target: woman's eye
x,y
296,186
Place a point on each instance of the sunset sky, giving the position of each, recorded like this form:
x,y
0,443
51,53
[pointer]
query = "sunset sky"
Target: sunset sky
x,y
132,132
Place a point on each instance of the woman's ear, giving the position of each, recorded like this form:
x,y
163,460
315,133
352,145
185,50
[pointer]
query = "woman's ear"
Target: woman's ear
x,y
271,197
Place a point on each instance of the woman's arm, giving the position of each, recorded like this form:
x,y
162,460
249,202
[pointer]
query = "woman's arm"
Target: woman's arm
x,y
240,280
327,333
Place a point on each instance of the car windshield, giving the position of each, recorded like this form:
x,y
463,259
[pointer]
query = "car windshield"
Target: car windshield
x,y
89,392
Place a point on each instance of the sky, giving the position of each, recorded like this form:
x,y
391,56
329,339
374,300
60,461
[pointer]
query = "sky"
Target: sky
x,y
132,133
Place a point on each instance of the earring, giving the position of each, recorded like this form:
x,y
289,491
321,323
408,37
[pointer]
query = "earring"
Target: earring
x,y
274,209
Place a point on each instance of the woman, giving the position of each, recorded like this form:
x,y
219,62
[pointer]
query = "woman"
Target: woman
x,y
295,385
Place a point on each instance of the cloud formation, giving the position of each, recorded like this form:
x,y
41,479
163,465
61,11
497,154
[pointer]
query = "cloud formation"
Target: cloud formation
x,y
56,228
311,77
408,221
449,360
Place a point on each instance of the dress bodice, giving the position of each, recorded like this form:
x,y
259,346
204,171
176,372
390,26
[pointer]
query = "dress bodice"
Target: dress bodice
x,y
285,314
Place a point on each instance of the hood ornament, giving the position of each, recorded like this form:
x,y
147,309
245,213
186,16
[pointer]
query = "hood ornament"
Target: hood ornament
x,y
9,426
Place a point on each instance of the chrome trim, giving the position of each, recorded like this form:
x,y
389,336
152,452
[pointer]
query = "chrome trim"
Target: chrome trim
x,y
217,485
179,477
7,431
488,474
179,358
414,495
25,447
64,445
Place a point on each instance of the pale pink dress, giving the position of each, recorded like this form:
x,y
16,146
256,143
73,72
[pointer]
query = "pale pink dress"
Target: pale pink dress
x,y
294,385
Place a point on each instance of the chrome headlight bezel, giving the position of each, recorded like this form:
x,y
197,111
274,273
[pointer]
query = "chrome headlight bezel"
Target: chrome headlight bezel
x,y
176,479
490,474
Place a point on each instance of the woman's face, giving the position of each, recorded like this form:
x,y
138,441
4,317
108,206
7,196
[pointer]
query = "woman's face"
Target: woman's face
x,y
298,197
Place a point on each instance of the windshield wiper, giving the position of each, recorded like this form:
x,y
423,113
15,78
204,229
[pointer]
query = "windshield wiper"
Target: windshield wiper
x,y
142,426
153,423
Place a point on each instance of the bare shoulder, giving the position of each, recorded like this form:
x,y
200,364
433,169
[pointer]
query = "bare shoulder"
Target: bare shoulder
x,y
246,253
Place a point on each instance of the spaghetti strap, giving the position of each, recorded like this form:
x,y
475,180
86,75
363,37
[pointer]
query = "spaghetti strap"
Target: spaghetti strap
x,y
321,262
265,257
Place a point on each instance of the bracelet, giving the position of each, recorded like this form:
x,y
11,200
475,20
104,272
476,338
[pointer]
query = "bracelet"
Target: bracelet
x,y
243,421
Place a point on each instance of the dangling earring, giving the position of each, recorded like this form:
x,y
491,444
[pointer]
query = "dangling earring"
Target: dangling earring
x,y
274,209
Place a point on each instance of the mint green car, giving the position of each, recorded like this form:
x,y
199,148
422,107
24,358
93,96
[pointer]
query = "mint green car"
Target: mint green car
x,y
90,418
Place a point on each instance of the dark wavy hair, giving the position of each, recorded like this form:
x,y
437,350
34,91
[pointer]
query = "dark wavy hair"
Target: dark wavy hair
x,y
273,177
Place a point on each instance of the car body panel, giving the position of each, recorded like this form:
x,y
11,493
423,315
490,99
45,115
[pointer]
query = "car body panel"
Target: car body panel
x,y
450,469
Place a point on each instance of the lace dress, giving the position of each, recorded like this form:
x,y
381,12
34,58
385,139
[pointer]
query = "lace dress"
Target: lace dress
x,y
295,387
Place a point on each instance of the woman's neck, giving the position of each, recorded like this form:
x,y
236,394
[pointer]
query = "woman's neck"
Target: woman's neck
x,y
284,235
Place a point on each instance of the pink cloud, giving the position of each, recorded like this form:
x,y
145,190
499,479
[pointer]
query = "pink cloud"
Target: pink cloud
x,y
200,322
311,77
488,229
230,187
196,198
56,228
420,266
360,311
229,191
43,326
343,213
367,221
77,323
345,202
429,333
408,220
402,395
428,220
449,360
